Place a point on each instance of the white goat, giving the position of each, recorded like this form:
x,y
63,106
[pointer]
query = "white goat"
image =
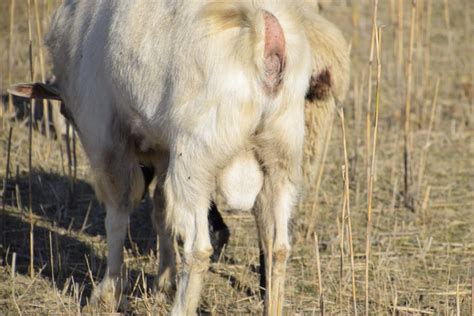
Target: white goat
x,y
212,94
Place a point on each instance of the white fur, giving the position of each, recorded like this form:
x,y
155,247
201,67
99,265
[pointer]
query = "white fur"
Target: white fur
x,y
240,182
179,84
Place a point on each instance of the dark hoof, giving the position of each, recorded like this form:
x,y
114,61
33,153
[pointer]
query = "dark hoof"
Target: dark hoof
x,y
218,231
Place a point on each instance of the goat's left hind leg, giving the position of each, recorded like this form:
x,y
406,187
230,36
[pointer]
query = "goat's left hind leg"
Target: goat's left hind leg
x,y
121,192
108,294
165,281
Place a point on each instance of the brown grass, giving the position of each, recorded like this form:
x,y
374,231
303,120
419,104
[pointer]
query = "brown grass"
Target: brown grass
x,y
420,258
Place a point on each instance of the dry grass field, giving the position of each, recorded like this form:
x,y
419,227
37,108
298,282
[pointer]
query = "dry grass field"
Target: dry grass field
x,y
421,227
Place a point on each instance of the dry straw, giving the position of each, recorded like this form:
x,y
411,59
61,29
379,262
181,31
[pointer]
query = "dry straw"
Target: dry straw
x,y
368,153
347,212
30,141
10,55
318,267
434,277
422,160
400,35
42,67
408,97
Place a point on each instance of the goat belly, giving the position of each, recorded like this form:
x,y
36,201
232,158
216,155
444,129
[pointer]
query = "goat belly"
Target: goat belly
x,y
240,182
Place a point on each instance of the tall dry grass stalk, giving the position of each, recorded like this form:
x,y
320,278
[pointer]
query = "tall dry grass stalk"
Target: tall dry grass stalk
x,y
369,88
341,245
368,134
378,45
318,269
427,51
10,55
358,88
347,204
13,276
418,70
421,167
472,287
340,227
319,178
39,34
30,142
400,39
408,97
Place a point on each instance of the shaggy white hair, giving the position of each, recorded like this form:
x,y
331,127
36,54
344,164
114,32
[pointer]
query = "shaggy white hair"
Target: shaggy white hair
x,y
212,95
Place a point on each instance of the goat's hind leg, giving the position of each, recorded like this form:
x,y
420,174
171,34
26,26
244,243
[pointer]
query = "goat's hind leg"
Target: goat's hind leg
x,y
120,186
274,205
165,282
188,188
272,213
218,231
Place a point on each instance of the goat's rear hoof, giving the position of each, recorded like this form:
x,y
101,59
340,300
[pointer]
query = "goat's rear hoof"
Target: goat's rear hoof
x,y
219,239
107,297
164,286
218,231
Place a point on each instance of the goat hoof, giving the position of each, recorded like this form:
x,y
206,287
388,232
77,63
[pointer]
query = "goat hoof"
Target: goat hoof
x,y
218,231
107,296
164,286
219,239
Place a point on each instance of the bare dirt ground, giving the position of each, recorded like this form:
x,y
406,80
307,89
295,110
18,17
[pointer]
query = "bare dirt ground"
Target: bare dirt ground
x,y
421,242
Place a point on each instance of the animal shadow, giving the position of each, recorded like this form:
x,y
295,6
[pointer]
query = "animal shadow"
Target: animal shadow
x,y
69,233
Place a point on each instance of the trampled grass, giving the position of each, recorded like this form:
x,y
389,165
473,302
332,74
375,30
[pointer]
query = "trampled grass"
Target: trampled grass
x,y
421,236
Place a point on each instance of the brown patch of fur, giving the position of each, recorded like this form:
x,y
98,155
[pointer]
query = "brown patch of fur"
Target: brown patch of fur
x,y
319,86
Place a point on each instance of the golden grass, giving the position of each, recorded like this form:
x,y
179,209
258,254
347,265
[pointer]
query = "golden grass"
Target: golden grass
x,y
420,259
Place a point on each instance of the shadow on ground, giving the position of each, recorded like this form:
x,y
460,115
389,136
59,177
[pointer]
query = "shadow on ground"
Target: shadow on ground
x,y
69,227
69,233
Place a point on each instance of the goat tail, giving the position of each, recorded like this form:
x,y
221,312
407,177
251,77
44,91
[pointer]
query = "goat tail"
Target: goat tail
x,y
263,37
